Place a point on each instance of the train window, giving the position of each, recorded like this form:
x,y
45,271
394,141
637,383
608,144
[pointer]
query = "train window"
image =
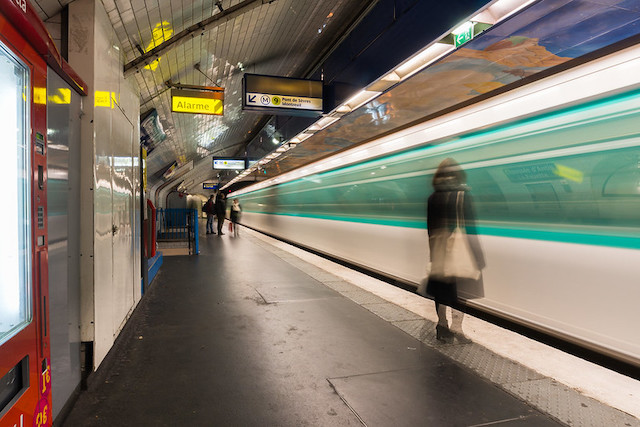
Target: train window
x,y
624,182
544,197
15,246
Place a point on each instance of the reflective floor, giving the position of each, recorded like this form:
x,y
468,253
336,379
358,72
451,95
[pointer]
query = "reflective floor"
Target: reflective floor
x,y
252,333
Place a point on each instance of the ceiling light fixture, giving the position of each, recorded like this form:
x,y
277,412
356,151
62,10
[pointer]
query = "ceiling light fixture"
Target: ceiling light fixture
x,y
323,123
501,10
358,100
462,28
422,60
301,137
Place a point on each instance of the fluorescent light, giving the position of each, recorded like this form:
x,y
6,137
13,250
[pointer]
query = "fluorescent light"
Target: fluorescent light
x,y
361,98
300,137
323,123
485,17
423,59
391,77
463,28
385,82
500,10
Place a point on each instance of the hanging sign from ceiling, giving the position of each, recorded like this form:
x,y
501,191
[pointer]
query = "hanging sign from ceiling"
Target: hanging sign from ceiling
x,y
282,95
197,101
229,164
151,131
169,172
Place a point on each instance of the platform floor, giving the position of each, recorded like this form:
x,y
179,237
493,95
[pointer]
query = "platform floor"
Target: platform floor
x,y
255,332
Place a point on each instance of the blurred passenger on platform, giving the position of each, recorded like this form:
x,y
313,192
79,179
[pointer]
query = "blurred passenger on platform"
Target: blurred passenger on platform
x,y
235,216
210,210
221,211
456,256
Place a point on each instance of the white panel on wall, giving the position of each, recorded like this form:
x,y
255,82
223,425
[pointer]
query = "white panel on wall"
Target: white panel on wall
x,y
122,239
81,52
111,265
105,291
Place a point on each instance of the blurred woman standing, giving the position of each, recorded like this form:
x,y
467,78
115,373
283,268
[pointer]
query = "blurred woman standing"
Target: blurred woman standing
x,y
235,216
221,210
448,207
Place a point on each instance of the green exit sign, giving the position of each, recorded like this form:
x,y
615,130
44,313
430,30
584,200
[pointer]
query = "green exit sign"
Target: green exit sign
x,y
463,35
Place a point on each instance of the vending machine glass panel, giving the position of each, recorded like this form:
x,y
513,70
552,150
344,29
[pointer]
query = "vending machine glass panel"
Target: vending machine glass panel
x,y
15,244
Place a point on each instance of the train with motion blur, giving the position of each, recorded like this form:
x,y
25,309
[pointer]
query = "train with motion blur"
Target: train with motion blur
x,y
554,170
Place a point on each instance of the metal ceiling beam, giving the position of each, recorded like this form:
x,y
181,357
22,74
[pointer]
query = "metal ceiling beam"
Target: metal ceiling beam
x,y
205,25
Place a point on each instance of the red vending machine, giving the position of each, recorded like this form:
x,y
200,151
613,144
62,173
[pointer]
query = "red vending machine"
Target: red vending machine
x,y
25,370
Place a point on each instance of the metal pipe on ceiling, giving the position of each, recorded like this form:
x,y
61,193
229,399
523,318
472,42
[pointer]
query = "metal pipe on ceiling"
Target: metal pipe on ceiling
x,y
205,25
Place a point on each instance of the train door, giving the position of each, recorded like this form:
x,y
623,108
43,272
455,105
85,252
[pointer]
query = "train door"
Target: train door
x,y
25,373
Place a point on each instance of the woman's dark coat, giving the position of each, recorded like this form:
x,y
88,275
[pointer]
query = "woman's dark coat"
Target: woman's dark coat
x,y
441,215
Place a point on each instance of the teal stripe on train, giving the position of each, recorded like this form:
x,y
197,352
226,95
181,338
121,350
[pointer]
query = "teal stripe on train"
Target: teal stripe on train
x,y
571,175
546,235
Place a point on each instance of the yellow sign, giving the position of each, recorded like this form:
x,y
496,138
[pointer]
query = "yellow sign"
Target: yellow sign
x,y
197,102
102,99
144,169
106,99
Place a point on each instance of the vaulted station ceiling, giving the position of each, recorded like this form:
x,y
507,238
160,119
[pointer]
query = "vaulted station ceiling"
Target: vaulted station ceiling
x,y
212,43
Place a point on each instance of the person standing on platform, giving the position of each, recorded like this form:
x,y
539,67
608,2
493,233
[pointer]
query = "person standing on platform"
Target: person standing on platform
x,y
210,210
235,216
449,207
221,211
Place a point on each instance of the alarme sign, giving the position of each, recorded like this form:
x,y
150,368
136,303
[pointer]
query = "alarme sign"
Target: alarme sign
x,y
197,102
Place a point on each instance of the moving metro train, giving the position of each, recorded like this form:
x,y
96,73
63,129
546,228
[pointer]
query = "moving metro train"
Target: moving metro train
x,y
554,170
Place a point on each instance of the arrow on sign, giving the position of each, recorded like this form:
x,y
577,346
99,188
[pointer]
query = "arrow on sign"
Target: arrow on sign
x,y
252,98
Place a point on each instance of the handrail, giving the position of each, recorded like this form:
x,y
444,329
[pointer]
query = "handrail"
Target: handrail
x,y
178,225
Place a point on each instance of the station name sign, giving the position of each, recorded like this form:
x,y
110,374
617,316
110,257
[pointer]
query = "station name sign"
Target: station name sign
x,y
205,101
282,95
